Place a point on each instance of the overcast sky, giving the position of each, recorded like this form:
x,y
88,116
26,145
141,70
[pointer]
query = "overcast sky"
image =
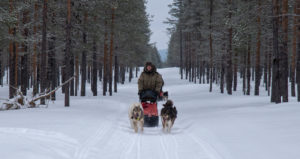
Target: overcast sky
x,y
159,9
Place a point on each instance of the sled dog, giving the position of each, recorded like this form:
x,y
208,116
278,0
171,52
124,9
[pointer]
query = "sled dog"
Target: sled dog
x,y
165,96
136,117
168,115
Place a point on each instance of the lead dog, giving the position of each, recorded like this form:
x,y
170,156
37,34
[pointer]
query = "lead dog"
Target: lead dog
x,y
136,117
168,115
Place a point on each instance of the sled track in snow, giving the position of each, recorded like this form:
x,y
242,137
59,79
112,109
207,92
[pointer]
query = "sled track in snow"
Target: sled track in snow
x,y
167,145
128,151
176,147
53,137
208,149
56,142
125,154
83,151
170,144
138,153
162,143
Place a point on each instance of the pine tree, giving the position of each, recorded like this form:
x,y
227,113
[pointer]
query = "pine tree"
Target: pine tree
x,y
68,54
275,96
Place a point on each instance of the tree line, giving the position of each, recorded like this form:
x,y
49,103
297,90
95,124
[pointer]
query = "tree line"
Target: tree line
x,y
46,43
219,41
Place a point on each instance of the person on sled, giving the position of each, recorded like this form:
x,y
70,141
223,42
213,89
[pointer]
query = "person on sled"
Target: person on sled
x,y
150,81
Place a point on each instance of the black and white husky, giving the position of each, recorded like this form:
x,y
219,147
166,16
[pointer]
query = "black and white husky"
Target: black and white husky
x,y
136,117
168,115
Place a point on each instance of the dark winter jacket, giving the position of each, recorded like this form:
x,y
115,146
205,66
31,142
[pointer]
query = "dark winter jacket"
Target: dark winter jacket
x,y
150,80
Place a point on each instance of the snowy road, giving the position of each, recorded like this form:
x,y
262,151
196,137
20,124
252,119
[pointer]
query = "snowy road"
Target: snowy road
x,y
209,126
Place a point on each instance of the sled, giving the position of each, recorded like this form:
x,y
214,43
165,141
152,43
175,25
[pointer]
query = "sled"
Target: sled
x,y
149,103
150,114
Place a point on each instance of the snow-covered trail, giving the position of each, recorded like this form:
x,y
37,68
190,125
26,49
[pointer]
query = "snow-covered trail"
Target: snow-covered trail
x,y
95,127
209,126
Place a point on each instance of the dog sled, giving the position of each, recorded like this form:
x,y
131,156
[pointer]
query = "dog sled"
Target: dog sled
x,y
149,100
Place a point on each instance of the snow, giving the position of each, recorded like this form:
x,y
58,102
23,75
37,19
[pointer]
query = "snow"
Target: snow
x,y
209,126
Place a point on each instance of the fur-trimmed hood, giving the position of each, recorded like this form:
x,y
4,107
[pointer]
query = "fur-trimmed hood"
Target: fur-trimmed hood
x,y
153,70
150,80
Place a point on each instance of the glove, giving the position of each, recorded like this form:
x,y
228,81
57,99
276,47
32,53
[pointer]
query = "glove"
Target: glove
x,y
161,94
140,92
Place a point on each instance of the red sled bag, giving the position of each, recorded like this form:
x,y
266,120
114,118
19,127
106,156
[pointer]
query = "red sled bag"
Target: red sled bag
x,y
148,100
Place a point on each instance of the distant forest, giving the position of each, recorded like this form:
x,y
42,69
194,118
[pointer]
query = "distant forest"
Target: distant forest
x,y
219,41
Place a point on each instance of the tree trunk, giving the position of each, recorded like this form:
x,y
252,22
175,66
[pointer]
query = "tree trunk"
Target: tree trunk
x,y
235,69
77,74
105,59
83,68
266,54
24,73
52,71
198,68
83,59
293,66
68,54
269,65
62,69
116,80
12,58
190,57
34,59
71,84
123,74
229,55
89,73
298,50
248,69
94,69
195,71
181,56
214,79
222,76
284,68
24,58
130,74
244,72
1,69
52,65
186,55
111,50
44,81
100,71
275,96
257,62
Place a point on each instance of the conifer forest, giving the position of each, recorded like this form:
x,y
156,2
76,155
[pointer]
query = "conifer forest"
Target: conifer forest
x,y
45,43
221,41
49,44
149,79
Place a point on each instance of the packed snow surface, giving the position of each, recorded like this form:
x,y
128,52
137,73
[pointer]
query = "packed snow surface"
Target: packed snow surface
x,y
209,126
